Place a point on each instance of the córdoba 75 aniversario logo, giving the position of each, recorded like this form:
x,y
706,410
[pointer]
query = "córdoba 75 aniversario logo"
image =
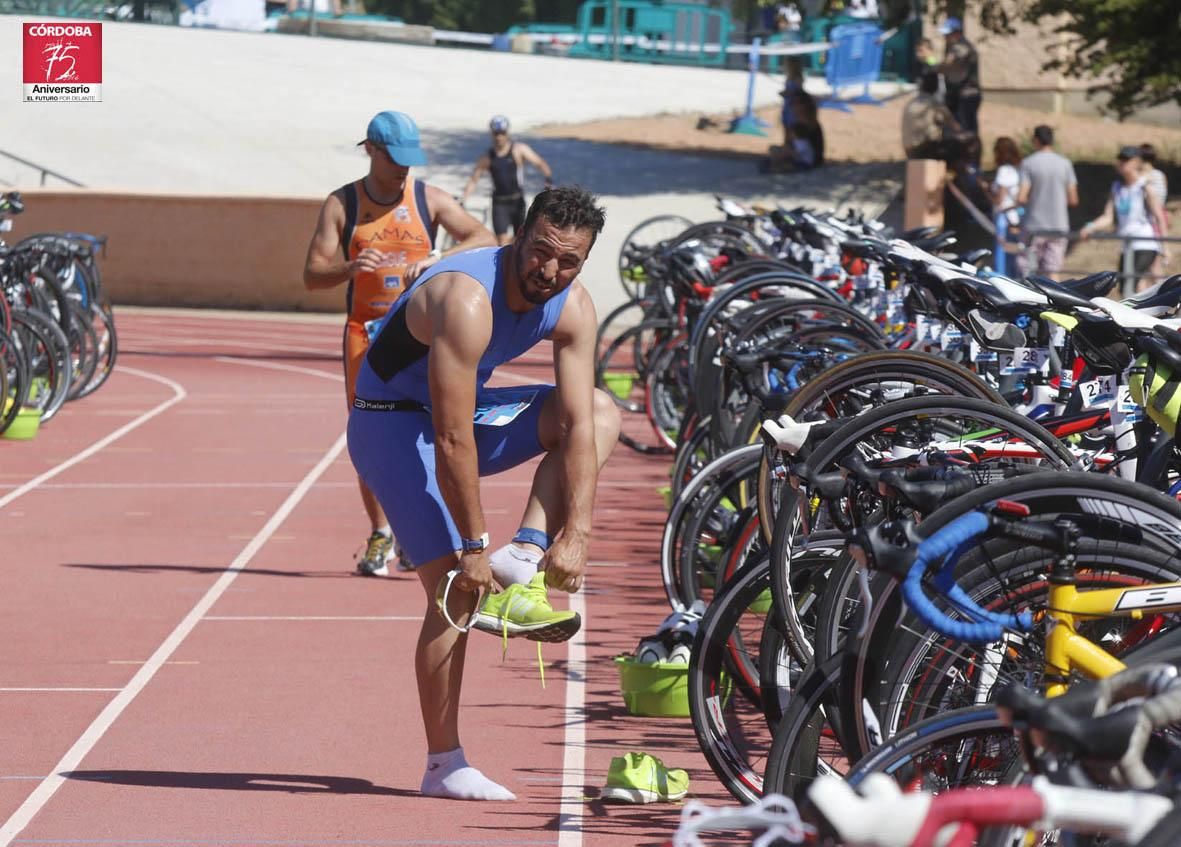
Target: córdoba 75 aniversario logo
x,y
63,61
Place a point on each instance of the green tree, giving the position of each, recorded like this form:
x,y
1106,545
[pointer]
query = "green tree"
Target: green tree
x,y
1129,48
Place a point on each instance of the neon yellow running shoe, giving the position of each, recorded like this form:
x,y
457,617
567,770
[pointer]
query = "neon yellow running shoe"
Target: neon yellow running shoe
x,y
640,778
524,611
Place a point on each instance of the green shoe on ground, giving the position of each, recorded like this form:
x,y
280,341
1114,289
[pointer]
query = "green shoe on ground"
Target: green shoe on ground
x,y
524,611
640,778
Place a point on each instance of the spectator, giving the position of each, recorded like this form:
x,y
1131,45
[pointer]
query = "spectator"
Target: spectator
x,y
961,72
924,53
1006,185
1158,185
322,6
862,9
788,18
1135,213
929,130
793,83
803,139
808,137
1048,187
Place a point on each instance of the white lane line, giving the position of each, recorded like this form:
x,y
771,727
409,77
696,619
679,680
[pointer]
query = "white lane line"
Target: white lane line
x,y
312,618
570,813
117,486
178,394
221,333
143,662
58,689
74,756
161,312
139,341
277,366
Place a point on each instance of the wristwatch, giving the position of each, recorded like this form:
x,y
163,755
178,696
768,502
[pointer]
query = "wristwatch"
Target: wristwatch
x,y
476,545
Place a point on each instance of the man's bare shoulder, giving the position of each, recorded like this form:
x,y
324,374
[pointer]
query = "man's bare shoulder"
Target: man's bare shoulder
x,y
578,314
454,292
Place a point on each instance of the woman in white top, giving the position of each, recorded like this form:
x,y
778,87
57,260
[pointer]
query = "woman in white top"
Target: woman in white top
x,y
1135,212
1007,183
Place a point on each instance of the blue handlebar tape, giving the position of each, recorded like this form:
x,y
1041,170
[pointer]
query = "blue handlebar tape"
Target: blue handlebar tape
x,y
989,626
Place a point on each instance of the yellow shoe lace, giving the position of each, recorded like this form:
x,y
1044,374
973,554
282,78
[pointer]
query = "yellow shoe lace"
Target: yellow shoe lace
x,y
504,651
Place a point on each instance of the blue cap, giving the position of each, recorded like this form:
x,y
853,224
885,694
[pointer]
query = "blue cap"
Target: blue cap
x,y
951,25
498,124
398,133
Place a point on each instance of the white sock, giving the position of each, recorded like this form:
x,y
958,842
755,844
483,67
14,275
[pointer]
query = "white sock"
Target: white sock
x,y
513,565
385,530
449,775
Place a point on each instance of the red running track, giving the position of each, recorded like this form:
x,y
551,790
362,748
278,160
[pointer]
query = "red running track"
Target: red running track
x,y
188,660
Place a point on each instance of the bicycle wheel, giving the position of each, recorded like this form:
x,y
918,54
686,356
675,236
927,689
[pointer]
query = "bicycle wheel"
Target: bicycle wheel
x,y
103,323
693,454
621,368
730,725
951,422
643,238
808,739
16,379
1104,501
861,383
926,673
736,464
83,349
958,748
47,364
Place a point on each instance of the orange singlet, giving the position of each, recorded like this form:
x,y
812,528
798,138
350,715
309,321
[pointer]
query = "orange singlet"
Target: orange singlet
x,y
403,229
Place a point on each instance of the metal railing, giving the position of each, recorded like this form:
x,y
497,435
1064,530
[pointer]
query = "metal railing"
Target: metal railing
x,y
44,171
1005,247
1128,275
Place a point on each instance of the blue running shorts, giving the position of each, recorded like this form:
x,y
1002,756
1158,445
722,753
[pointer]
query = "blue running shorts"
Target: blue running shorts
x,y
394,454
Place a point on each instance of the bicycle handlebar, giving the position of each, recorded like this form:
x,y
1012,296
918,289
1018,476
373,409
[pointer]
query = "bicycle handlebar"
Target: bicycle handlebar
x,y
988,626
1083,724
883,816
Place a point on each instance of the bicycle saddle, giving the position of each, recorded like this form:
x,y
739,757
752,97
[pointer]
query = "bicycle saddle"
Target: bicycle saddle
x,y
865,249
919,233
974,257
1165,294
1061,296
971,292
1094,285
935,243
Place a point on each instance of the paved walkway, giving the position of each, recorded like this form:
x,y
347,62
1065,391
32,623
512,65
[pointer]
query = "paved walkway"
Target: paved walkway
x,y
207,111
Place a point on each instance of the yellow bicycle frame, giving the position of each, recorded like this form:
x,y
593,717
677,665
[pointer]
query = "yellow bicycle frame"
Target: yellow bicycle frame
x,y
1068,651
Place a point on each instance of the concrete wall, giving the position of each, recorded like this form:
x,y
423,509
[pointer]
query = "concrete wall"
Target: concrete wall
x,y
191,250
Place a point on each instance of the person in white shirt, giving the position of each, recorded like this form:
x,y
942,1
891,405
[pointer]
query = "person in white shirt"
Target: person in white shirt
x,y
1158,185
1135,213
1006,185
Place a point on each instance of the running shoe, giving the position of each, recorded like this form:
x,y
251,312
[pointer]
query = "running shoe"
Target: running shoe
x,y
400,561
640,778
378,550
523,610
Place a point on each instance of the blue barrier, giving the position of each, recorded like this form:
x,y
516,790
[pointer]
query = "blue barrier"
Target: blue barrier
x,y
1001,222
855,57
749,123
